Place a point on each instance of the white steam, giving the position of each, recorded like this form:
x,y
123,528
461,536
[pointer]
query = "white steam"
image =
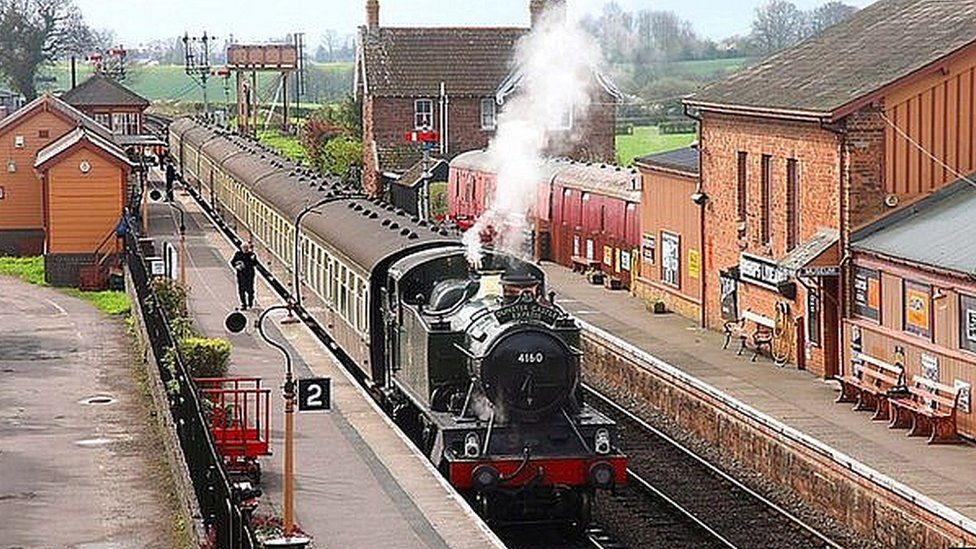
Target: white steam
x,y
556,61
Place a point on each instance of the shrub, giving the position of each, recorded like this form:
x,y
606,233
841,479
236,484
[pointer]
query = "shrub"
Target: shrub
x,y
340,153
438,199
205,357
172,297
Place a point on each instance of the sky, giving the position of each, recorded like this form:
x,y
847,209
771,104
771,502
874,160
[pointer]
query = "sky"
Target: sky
x,y
139,21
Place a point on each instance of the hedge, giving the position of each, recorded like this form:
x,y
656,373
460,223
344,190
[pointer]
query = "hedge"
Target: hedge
x,y
206,357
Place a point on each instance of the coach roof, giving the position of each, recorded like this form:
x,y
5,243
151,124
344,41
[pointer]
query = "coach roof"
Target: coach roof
x,y
832,73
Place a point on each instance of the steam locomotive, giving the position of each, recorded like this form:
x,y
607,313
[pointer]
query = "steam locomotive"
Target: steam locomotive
x,y
479,363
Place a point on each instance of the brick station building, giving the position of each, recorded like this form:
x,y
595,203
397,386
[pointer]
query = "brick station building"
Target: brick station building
x,y
807,146
455,81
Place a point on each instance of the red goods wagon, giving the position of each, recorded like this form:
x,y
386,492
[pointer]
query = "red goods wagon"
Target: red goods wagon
x,y
595,219
238,410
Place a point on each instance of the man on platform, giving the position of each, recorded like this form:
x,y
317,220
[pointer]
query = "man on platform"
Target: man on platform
x,y
244,262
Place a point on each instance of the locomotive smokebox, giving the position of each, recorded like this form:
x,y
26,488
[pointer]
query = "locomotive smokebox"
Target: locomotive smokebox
x,y
514,285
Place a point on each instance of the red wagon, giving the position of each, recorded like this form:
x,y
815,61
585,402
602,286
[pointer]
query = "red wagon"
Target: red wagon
x,y
238,410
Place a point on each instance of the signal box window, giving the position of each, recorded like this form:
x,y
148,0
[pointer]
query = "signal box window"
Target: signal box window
x,y
423,113
488,114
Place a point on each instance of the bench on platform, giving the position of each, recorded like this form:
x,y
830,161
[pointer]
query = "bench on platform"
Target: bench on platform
x,y
868,383
929,409
761,334
582,264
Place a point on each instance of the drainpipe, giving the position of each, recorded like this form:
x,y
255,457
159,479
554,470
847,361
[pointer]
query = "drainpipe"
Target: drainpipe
x,y
443,117
702,201
842,280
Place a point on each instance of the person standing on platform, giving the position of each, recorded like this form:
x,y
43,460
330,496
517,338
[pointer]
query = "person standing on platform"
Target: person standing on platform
x,y
244,262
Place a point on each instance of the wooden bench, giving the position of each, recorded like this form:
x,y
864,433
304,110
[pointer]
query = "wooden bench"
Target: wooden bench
x,y
761,334
929,409
868,383
582,264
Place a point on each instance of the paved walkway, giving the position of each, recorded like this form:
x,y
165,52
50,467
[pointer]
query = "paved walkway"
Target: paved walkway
x,y
797,398
74,474
357,483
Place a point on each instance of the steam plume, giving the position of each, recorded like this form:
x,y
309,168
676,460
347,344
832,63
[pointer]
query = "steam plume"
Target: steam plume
x,y
556,60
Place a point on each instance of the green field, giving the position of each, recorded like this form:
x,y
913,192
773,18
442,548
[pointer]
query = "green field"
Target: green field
x,y
286,145
646,140
170,82
708,67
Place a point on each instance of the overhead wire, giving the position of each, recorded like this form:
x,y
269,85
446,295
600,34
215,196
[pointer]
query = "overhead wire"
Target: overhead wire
x,y
925,151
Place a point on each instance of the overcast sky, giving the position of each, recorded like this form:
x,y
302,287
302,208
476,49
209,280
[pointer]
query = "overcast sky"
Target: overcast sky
x,y
137,21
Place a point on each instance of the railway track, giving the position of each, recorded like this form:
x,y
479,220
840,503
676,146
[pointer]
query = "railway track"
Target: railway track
x,y
722,511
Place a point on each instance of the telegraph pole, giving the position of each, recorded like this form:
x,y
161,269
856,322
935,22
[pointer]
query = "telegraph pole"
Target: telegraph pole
x,y
196,50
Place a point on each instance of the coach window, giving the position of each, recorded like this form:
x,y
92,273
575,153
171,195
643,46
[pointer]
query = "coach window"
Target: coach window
x,y
488,114
423,114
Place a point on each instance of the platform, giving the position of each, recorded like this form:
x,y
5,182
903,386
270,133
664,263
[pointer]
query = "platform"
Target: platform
x,y
795,398
358,482
80,463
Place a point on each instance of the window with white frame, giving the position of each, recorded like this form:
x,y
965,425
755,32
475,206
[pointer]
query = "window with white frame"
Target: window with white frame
x,y
125,123
488,114
423,113
562,120
104,119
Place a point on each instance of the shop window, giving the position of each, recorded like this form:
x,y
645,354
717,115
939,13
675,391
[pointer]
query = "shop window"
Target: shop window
x,y
671,259
917,300
967,322
813,317
867,293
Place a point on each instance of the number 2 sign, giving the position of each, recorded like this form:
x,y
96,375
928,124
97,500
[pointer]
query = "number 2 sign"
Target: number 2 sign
x,y
314,394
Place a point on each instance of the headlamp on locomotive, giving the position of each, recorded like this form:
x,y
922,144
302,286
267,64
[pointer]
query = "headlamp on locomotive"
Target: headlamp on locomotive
x,y
494,367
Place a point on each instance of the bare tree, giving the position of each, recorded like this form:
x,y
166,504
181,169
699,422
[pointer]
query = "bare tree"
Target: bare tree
x,y
36,32
778,24
829,14
330,43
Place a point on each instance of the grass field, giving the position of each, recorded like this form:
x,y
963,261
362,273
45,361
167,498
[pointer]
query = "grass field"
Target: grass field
x,y
170,82
708,67
646,140
286,145
31,270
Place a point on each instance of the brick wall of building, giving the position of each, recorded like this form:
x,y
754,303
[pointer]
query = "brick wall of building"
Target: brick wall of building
x,y
864,149
817,151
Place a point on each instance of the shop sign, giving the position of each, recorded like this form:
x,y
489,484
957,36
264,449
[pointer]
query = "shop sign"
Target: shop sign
x,y
694,263
761,271
647,248
965,394
817,272
930,367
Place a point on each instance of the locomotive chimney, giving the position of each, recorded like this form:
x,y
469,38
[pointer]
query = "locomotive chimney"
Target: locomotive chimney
x,y
372,14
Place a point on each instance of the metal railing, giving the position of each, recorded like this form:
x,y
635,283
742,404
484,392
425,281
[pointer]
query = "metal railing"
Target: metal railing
x,y
225,523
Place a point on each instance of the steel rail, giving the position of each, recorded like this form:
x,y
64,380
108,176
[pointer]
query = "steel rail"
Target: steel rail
x,y
711,468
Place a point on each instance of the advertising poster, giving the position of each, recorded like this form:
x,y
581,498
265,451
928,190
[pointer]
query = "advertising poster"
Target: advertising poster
x,y
647,248
694,263
918,309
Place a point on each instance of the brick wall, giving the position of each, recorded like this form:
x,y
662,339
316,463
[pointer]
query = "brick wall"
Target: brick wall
x,y
817,151
22,242
864,149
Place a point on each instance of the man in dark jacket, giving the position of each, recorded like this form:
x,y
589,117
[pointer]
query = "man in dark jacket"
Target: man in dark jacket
x,y
244,263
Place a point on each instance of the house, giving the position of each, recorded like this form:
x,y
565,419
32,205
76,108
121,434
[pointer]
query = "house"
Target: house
x,y
62,186
451,80
914,297
110,104
670,262
816,141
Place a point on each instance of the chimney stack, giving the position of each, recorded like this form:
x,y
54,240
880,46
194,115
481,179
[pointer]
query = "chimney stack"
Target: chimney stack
x,y
372,14
538,7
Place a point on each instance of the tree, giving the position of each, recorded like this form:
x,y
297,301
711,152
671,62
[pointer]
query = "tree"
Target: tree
x,y
778,24
36,32
829,15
